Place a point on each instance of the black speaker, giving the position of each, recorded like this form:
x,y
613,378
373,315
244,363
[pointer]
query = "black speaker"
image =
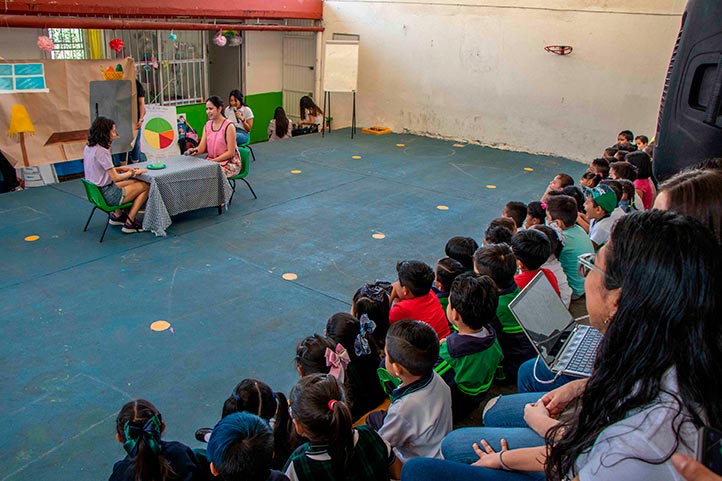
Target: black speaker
x,y
689,127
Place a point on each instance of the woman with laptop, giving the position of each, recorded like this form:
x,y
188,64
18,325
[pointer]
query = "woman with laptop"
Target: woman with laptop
x,y
655,380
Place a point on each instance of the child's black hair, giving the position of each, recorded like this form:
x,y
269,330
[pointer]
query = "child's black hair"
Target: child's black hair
x,y
475,298
537,210
576,193
416,276
498,262
531,248
462,249
627,134
594,177
624,170
517,211
505,222
629,147
628,188
497,234
318,404
642,162
414,345
373,300
99,133
311,354
615,186
601,166
344,328
643,138
139,425
610,152
241,448
553,236
563,208
564,179
447,269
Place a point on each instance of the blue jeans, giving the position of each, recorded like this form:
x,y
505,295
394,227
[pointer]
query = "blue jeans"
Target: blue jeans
x,y
422,469
457,446
526,382
242,137
508,411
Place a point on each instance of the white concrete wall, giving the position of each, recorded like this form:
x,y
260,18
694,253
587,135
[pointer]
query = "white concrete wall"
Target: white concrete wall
x,y
20,43
478,70
264,62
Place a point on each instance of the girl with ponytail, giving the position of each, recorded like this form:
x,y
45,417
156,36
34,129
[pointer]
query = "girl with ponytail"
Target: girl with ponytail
x,y
138,427
336,450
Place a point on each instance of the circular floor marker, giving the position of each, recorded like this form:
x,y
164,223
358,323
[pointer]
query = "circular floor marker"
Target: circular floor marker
x,y
442,207
32,238
355,156
290,276
491,186
400,145
528,169
378,235
160,326
295,171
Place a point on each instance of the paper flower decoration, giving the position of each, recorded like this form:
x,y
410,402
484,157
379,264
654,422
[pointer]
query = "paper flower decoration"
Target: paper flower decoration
x,y
44,43
116,44
235,41
220,40
172,37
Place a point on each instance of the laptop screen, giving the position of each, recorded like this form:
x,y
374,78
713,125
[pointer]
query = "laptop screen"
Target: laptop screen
x,y
543,316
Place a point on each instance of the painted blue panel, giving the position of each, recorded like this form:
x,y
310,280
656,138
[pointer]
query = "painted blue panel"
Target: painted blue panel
x,y
28,69
6,69
28,83
6,83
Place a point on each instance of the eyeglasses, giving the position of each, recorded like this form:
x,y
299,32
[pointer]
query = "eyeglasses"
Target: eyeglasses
x,y
586,264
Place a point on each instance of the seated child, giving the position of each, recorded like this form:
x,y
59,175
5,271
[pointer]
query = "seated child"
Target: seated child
x,y
562,210
241,449
420,413
336,450
373,300
559,181
616,187
516,211
532,249
362,385
468,358
628,202
311,355
553,264
625,137
447,269
642,142
600,167
590,179
536,213
414,298
138,427
497,234
462,249
601,202
576,193
609,152
498,262
507,222
257,397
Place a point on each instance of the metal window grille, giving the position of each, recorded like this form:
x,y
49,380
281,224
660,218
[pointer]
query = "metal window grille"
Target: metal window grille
x,y
172,72
69,43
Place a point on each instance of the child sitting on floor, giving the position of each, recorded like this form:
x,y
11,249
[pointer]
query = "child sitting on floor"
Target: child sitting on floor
x,y
413,298
532,249
420,413
241,448
447,269
138,427
311,355
498,262
553,264
497,234
562,210
536,213
373,300
462,250
600,167
590,179
336,450
516,211
469,358
559,181
600,203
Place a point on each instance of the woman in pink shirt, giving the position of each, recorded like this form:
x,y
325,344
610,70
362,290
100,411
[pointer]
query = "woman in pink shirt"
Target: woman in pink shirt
x,y
219,139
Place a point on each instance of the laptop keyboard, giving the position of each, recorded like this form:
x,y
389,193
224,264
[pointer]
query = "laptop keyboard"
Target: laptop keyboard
x,y
583,359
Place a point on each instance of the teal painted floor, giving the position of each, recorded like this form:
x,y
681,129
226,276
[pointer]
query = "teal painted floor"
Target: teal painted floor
x,y
75,314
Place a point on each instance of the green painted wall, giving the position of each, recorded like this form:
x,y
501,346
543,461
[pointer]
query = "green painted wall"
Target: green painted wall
x,y
263,106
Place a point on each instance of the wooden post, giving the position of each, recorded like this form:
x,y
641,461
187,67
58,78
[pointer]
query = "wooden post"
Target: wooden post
x,y
24,150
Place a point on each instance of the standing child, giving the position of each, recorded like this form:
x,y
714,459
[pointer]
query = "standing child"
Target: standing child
x,y
415,299
336,450
516,211
420,413
469,358
600,203
241,448
643,182
447,269
138,427
532,249
562,210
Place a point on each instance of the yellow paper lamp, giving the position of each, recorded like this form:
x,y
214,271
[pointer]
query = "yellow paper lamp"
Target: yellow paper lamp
x,y
20,124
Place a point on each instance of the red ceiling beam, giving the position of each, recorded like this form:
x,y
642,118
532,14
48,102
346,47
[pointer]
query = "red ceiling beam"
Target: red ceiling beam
x,y
190,9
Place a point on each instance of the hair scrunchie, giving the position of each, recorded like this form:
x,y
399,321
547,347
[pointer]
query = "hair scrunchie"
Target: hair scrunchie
x,y
337,360
332,404
149,432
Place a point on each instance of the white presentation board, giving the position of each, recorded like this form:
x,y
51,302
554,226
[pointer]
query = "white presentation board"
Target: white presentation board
x,y
340,66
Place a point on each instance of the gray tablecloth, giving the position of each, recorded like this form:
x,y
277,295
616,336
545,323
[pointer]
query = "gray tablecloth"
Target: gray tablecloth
x,y
187,183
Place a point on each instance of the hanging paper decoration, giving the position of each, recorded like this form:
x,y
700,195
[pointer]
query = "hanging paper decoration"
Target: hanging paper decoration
x,y
45,44
116,45
154,62
219,39
235,41
172,36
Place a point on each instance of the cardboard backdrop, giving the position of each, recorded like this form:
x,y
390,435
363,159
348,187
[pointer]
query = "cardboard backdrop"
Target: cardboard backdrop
x,y
61,114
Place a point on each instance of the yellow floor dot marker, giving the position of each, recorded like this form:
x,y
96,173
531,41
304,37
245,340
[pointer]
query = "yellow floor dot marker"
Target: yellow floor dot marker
x,y
442,207
459,145
160,325
491,186
378,235
400,145
32,238
290,276
528,169
355,156
295,171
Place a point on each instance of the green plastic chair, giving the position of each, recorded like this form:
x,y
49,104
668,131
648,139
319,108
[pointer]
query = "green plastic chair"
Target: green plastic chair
x,y
96,198
247,145
245,155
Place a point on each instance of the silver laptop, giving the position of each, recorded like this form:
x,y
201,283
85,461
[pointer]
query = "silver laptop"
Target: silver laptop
x,y
562,344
